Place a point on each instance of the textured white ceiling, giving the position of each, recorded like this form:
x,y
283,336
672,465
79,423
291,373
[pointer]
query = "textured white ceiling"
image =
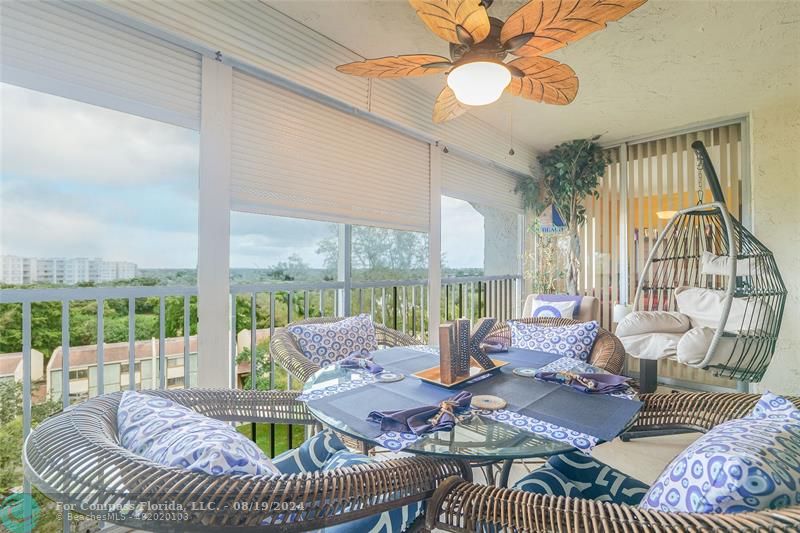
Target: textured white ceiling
x,y
669,64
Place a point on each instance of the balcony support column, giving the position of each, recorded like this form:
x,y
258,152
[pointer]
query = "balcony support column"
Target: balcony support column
x,y
435,245
213,276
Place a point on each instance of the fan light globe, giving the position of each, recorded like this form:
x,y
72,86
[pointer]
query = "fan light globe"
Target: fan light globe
x,y
479,82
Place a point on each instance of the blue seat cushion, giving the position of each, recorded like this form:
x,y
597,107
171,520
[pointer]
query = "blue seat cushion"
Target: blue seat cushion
x,y
576,475
325,452
548,480
310,456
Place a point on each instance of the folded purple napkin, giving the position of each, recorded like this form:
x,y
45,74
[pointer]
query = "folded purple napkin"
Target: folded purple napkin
x,y
494,346
419,420
594,383
360,360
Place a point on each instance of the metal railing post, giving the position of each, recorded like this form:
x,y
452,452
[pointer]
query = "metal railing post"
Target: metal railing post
x,y
100,348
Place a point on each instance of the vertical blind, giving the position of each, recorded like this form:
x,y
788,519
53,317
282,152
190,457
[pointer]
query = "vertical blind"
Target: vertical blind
x,y
467,180
63,49
662,177
292,156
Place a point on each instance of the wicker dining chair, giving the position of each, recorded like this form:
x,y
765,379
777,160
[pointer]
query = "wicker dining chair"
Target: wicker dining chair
x,y
461,506
607,352
284,350
75,458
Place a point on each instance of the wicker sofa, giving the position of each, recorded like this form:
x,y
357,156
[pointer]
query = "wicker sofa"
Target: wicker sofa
x,y
75,458
461,506
284,350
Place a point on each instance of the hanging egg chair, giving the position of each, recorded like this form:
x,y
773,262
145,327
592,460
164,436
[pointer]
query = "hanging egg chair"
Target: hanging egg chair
x,y
711,277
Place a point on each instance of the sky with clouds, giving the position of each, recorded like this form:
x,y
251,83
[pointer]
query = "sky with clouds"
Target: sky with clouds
x,y
82,181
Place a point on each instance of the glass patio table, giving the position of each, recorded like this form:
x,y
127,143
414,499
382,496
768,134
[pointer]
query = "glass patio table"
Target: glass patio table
x,y
476,439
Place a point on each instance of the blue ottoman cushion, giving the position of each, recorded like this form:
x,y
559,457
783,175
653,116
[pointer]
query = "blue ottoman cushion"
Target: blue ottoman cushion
x,y
311,455
324,452
576,475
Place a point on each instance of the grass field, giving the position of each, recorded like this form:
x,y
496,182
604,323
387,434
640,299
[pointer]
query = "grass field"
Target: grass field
x,y
263,437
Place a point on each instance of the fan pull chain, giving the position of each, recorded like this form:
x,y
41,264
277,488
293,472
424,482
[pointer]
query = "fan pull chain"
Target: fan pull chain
x,y
511,132
699,186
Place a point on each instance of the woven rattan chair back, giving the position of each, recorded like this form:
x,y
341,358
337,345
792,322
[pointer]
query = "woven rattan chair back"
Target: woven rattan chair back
x,y
75,458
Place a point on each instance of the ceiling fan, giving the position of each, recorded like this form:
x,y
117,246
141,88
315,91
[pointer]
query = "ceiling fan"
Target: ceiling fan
x,y
477,73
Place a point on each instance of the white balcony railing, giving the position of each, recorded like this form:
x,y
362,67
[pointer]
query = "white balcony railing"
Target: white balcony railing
x,y
169,361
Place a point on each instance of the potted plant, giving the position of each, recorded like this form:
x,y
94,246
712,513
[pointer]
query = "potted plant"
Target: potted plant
x,y
570,173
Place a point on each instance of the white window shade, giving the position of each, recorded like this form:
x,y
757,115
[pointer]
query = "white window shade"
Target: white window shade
x,y
481,184
295,157
65,50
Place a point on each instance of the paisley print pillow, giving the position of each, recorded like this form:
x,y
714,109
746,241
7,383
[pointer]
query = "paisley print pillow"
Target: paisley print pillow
x,y
747,464
574,340
324,344
173,435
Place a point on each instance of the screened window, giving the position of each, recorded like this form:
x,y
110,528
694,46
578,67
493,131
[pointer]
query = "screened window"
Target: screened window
x,y
267,248
88,193
389,254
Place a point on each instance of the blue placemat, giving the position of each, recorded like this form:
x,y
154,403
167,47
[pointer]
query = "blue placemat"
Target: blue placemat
x,y
353,406
598,415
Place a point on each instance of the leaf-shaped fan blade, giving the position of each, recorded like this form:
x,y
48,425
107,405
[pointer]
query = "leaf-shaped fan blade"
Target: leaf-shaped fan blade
x,y
455,21
447,106
545,80
541,26
397,66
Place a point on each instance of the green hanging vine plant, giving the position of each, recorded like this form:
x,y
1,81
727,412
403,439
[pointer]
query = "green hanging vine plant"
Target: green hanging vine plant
x,y
571,172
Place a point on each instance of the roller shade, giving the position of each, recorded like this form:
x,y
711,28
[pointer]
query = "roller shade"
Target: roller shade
x,y
292,156
259,34
470,181
63,49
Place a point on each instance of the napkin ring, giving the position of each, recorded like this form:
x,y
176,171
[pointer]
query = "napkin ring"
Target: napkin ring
x,y
447,406
570,377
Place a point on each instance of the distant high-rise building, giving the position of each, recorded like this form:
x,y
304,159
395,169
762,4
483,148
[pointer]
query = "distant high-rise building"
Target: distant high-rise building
x,y
67,271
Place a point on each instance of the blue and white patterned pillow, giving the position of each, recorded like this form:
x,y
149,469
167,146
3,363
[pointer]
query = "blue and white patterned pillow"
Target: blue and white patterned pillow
x,y
577,475
327,343
173,435
747,464
573,340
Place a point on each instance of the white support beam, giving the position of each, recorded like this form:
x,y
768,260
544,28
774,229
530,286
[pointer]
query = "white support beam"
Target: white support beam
x,y
624,230
519,290
213,250
345,269
435,246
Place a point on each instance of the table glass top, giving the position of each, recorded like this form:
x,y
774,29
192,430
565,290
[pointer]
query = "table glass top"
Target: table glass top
x,y
474,436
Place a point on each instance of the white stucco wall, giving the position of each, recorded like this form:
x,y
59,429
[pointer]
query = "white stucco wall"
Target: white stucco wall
x,y
501,248
775,138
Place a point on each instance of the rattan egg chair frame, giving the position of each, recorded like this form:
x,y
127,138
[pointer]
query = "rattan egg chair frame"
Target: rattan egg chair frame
x,y
464,507
75,458
608,352
675,261
284,350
